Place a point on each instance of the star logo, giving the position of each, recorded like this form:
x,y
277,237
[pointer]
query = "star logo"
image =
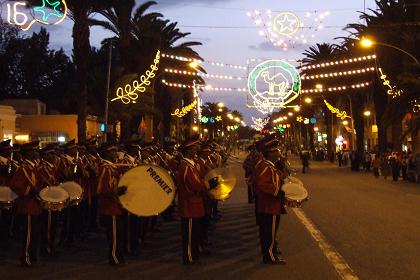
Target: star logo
x,y
286,24
218,118
299,119
49,8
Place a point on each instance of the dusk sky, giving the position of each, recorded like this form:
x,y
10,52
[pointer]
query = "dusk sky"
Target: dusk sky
x,y
230,36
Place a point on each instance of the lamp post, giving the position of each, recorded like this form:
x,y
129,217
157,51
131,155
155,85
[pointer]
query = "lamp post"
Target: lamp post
x,y
353,139
368,43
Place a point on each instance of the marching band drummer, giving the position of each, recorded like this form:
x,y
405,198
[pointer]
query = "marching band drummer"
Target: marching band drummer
x,y
7,168
26,184
190,201
268,181
109,206
47,175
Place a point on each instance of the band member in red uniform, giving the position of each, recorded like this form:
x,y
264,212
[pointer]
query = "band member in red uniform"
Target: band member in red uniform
x,y
47,175
205,166
26,184
109,206
7,169
190,202
268,181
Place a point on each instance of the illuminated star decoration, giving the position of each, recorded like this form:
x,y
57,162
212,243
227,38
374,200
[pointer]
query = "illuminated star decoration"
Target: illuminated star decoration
x,y
299,119
52,6
286,24
218,118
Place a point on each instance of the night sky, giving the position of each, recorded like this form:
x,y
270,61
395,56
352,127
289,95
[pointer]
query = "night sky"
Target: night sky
x,y
238,39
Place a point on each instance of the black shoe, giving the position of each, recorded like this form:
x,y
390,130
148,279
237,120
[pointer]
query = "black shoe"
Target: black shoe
x,y
278,261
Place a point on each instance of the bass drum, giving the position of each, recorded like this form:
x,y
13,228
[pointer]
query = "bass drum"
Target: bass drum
x,y
150,190
7,197
294,180
295,195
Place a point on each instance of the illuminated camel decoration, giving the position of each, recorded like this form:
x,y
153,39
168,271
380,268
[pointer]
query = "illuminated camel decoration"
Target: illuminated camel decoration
x,y
282,88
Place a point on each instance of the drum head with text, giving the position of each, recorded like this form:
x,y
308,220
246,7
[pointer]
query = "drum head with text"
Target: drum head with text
x,y
150,190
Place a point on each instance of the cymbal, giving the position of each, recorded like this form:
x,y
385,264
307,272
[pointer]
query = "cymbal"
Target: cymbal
x,y
225,183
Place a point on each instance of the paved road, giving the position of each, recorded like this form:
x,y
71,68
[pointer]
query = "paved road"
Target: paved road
x,y
373,225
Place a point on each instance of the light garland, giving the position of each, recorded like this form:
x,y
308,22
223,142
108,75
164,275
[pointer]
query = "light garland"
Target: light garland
x,y
211,119
206,87
188,59
281,29
340,114
281,85
339,62
129,93
185,110
340,73
259,123
392,90
190,73
25,23
337,88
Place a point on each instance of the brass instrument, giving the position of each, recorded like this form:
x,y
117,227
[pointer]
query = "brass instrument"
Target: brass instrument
x,y
220,183
9,168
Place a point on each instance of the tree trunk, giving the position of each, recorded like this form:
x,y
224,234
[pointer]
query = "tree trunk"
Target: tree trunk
x,y
329,118
81,47
380,99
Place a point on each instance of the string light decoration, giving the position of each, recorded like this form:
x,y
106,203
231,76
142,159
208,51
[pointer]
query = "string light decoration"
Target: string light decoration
x,y
273,84
340,114
339,73
212,119
188,59
299,119
281,29
392,90
259,123
184,110
337,88
206,87
339,62
49,12
190,73
130,92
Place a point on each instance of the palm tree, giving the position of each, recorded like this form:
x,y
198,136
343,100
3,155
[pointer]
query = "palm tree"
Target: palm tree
x,y
315,55
391,23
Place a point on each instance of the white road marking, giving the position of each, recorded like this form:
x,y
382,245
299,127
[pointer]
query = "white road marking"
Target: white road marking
x,y
340,265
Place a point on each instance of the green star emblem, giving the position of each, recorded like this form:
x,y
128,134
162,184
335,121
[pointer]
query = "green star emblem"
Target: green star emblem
x,y
51,5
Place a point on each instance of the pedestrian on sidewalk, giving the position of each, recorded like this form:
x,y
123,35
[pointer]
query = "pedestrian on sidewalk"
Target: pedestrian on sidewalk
x,y
340,158
305,161
376,164
385,168
404,166
395,168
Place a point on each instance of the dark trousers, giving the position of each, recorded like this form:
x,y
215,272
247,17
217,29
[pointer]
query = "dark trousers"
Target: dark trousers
x,y
6,221
190,230
48,231
268,231
31,238
132,224
115,238
204,230
72,224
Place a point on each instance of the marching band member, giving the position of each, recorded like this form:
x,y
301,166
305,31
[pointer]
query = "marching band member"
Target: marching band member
x,y
109,206
190,202
7,168
47,175
204,167
26,184
268,181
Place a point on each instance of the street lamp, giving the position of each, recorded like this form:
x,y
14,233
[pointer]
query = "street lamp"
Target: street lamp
x,y
297,109
237,120
367,113
220,105
308,100
368,43
290,114
345,123
230,116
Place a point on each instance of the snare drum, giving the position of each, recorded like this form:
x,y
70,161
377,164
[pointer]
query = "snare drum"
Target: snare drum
x,y
295,195
53,198
294,180
7,197
74,190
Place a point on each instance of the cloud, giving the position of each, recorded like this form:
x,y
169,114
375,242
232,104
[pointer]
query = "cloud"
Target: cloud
x,y
269,47
172,3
